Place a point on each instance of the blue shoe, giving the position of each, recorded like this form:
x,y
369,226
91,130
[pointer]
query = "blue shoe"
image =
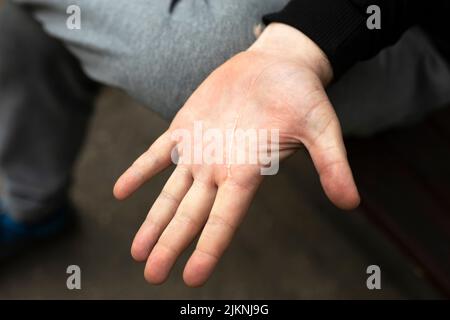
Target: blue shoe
x,y
16,236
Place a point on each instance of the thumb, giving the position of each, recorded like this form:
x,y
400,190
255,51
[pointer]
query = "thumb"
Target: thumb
x,y
329,156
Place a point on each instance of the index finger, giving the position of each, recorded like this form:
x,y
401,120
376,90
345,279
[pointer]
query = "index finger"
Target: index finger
x,y
151,162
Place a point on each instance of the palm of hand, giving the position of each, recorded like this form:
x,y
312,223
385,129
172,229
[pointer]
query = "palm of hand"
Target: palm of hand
x,y
252,91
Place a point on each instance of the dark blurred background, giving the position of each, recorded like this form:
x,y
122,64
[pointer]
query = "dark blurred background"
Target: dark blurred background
x,y
293,243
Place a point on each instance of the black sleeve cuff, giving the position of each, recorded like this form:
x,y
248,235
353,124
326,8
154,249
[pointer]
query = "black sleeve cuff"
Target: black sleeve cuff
x,y
339,28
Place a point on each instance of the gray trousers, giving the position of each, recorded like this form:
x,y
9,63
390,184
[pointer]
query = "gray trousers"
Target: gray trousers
x,y
159,58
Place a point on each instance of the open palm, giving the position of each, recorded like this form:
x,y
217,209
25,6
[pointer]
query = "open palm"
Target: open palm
x,y
253,90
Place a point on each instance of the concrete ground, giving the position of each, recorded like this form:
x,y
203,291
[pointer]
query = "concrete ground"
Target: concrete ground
x,y
292,245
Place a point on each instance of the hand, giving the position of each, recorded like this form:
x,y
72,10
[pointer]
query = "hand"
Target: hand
x,y
277,84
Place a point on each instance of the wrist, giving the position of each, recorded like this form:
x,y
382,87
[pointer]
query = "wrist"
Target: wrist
x,y
290,43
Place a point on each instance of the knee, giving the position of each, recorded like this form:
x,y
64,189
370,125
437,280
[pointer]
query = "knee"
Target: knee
x,y
164,72
178,51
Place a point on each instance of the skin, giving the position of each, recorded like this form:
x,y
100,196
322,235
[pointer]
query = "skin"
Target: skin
x,y
278,83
